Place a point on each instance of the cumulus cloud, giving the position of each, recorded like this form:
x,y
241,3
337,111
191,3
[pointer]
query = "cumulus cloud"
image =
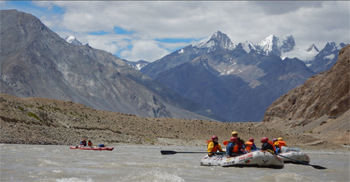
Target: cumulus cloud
x,y
284,7
144,50
309,22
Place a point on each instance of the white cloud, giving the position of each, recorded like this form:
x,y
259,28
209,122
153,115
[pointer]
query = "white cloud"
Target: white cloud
x,y
309,22
145,50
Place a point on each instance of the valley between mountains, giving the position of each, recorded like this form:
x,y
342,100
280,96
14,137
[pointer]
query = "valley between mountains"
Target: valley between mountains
x,y
56,91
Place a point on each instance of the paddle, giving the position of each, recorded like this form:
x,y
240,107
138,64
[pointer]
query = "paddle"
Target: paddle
x,y
171,152
301,162
314,166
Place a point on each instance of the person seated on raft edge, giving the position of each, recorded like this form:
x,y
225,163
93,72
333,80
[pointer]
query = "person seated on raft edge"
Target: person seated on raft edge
x,y
281,143
267,145
240,141
250,145
83,142
213,146
89,143
232,148
276,144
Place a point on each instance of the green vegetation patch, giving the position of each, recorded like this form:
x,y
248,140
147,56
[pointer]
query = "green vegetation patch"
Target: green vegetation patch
x,y
20,108
34,116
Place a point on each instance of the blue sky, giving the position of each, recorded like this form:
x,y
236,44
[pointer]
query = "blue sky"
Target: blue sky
x,y
149,30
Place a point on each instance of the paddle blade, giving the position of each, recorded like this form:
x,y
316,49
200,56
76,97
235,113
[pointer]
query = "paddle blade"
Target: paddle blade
x,y
167,152
318,167
225,142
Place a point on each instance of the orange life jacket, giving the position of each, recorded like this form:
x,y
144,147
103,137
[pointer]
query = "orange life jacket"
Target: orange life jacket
x,y
248,146
235,149
273,146
281,143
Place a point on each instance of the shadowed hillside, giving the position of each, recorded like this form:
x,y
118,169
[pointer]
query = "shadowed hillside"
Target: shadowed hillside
x,y
320,107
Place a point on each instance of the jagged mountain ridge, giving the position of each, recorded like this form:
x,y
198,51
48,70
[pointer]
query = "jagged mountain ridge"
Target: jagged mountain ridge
x,y
233,83
36,62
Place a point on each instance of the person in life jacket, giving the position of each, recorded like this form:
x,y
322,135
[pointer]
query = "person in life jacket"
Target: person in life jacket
x,y
275,143
89,143
240,141
267,144
250,145
232,148
83,142
214,146
281,143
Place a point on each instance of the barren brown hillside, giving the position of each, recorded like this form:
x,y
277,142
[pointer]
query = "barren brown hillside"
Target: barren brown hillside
x,y
320,107
45,121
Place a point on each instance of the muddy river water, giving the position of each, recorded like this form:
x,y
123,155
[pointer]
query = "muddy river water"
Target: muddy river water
x,y
145,163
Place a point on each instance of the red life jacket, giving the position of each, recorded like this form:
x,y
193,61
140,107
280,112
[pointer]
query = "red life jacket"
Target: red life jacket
x,y
281,143
273,146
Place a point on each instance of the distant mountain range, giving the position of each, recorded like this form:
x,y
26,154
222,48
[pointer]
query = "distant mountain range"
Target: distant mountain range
x,y
213,79
238,81
284,47
36,62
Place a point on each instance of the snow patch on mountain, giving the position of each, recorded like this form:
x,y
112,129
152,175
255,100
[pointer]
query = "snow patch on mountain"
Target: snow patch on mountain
x,y
72,40
248,46
331,56
304,55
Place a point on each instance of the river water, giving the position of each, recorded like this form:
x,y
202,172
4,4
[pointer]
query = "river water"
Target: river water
x,y
145,163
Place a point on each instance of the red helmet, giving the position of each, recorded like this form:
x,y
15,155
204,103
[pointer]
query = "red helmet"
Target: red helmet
x,y
264,140
251,139
234,139
274,140
214,136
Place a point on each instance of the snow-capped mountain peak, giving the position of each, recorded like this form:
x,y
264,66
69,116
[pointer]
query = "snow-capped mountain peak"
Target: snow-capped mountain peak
x,y
248,46
276,45
218,40
72,40
312,48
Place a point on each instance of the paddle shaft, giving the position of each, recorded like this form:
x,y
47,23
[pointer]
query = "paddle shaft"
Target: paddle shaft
x,y
305,163
171,152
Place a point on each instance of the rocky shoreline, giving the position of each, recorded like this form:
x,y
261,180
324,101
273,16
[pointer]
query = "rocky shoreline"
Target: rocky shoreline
x,y
53,122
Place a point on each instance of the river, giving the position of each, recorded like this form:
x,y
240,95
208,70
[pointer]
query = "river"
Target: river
x,y
145,163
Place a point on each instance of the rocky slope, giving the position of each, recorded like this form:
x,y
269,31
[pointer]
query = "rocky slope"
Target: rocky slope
x,y
36,62
319,107
46,121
